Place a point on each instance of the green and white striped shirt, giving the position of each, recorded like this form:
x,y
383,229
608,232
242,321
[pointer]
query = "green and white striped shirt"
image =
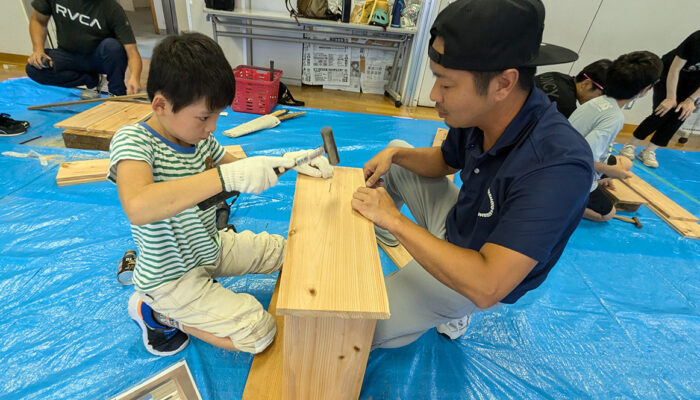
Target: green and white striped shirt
x,y
169,248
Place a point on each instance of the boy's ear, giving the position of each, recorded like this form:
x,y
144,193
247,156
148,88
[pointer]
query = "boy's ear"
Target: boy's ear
x,y
645,90
160,104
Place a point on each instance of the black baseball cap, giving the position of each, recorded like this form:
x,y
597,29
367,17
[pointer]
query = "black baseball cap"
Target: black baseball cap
x,y
494,35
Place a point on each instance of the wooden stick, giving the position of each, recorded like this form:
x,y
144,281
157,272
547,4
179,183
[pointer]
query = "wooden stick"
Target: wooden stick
x,y
97,100
292,115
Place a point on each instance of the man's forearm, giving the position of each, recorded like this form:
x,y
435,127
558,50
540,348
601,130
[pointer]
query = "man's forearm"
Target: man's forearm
x,y
135,66
37,32
424,161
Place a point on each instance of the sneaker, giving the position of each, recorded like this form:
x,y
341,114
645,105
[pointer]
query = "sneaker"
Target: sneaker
x,y
160,340
385,237
89,94
11,127
455,328
628,151
648,158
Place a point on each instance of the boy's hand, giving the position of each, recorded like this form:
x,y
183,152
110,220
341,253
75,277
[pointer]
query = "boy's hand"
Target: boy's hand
x,y
252,174
318,167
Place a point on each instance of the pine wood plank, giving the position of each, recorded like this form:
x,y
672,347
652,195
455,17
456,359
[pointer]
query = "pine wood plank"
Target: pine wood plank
x,y
623,197
440,137
75,172
76,139
665,205
265,377
398,254
91,116
332,263
131,114
687,229
325,357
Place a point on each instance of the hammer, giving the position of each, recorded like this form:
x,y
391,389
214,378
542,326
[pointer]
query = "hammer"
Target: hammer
x,y
633,220
327,148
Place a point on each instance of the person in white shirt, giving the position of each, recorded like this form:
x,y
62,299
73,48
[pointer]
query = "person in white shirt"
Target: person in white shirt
x,y
599,120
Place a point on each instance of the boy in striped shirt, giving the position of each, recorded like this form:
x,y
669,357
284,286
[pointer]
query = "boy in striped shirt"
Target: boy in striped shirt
x,y
163,168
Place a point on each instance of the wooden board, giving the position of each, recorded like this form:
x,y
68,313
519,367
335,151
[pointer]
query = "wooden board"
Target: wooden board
x,y
75,172
93,115
132,114
687,229
398,254
662,203
332,263
440,137
325,357
86,140
623,197
265,376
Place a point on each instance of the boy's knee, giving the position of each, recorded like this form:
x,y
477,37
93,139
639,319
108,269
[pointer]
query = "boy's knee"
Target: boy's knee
x,y
261,335
398,143
609,216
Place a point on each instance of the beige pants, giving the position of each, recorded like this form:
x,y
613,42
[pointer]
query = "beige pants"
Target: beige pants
x,y
197,301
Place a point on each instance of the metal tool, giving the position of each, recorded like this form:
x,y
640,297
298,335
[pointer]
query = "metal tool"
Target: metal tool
x,y
633,220
329,148
125,272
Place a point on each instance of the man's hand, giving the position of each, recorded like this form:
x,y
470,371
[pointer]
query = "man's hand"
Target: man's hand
x,y
133,86
665,107
37,59
376,205
686,107
378,166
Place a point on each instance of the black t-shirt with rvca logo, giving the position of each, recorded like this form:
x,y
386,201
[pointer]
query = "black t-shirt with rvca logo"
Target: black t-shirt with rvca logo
x,y
688,50
560,88
82,24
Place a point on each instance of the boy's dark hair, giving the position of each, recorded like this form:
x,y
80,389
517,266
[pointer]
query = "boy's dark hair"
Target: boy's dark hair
x,y
630,73
596,71
483,78
188,67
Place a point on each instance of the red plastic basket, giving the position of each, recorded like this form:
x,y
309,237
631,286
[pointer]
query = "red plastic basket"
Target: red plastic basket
x,y
256,93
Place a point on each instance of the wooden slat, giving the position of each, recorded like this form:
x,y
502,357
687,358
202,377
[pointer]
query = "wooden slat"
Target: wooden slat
x,y
398,254
331,264
91,116
75,172
325,357
76,139
665,205
687,229
623,197
265,377
440,137
131,114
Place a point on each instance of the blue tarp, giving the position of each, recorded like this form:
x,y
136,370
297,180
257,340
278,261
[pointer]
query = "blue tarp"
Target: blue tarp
x,y
618,316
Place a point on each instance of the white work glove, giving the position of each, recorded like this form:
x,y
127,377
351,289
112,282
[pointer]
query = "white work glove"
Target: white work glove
x,y
318,167
252,174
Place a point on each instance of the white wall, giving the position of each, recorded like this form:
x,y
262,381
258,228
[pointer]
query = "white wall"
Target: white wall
x,y
14,28
616,27
286,55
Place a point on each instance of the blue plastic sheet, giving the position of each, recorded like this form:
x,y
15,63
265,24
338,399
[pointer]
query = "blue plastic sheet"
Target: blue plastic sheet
x,y
618,316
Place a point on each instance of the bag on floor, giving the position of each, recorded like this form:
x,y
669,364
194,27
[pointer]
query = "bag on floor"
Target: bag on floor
x,y
310,9
284,97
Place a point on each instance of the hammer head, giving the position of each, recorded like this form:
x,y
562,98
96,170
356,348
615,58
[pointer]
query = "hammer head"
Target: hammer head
x,y
637,223
329,145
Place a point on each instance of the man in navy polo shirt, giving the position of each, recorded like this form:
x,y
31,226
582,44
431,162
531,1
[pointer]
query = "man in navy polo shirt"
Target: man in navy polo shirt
x,y
526,174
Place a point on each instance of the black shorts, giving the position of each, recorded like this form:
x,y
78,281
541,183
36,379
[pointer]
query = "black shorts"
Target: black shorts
x,y
599,202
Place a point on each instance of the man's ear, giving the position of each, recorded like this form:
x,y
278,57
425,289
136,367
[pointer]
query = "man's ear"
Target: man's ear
x,y
160,104
505,83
